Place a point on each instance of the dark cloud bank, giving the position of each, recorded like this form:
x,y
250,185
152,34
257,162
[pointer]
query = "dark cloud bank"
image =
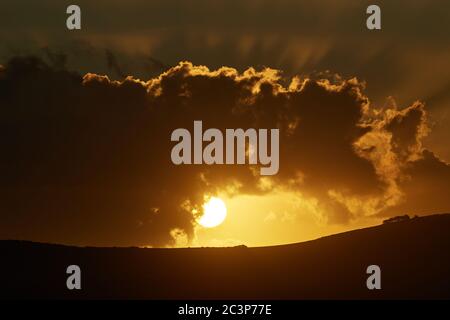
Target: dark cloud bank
x,y
86,160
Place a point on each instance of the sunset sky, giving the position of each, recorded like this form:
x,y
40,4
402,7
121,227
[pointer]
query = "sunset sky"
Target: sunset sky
x,y
86,118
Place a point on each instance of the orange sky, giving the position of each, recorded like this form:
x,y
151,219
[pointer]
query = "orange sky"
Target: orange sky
x,y
363,118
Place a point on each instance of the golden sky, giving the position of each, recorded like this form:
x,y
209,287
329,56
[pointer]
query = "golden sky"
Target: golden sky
x,y
87,116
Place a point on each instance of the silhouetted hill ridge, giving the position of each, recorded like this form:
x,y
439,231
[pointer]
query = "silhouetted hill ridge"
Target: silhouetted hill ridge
x,y
414,257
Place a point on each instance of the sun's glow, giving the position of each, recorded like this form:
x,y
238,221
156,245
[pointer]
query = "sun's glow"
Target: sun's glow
x,y
214,213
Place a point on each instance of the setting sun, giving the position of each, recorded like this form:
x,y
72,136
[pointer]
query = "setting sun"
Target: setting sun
x,y
214,213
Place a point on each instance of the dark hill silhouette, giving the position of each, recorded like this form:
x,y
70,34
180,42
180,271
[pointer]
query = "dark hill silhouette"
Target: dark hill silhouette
x,y
414,256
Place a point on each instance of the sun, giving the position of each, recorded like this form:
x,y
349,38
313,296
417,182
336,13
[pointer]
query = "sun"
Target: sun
x,y
214,213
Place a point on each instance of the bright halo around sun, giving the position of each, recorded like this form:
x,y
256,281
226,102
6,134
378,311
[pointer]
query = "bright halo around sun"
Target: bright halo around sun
x,y
214,213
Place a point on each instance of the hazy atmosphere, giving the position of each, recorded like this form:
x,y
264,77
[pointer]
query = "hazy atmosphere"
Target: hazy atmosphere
x,y
87,116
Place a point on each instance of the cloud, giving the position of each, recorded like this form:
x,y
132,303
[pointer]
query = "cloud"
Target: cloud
x,y
87,159
297,36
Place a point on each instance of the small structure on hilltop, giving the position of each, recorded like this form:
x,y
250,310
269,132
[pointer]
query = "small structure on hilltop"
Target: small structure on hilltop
x,y
397,219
